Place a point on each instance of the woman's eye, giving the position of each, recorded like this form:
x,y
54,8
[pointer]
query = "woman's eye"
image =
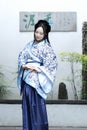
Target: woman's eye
x,y
39,33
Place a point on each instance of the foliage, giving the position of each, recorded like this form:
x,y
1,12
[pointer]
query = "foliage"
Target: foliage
x,y
71,57
84,77
5,80
3,85
74,58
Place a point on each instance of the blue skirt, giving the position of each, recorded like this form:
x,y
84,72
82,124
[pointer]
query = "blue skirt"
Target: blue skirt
x,y
33,109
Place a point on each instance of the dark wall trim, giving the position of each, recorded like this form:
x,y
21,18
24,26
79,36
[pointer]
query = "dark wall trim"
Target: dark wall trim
x,y
75,102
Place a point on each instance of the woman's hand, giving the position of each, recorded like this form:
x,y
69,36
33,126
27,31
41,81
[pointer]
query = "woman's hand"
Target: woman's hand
x,y
27,66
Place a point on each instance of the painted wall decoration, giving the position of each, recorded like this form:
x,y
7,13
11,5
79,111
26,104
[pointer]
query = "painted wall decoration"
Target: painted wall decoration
x,y
59,21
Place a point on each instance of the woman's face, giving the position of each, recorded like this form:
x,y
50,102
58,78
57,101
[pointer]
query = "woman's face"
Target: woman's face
x,y
39,34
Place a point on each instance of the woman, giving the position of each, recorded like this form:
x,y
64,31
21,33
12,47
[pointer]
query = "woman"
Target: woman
x,y
37,66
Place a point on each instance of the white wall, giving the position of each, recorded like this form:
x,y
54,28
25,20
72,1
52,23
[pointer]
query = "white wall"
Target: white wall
x,y
12,41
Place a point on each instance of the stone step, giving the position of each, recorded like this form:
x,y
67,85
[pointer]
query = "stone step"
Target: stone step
x,y
50,128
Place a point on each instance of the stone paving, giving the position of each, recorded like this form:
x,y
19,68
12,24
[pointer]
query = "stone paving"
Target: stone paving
x,y
51,128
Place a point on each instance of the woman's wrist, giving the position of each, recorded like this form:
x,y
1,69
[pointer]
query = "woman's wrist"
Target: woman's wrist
x,y
23,66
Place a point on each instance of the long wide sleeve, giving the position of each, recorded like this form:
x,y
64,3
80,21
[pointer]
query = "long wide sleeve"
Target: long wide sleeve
x,y
49,61
48,67
22,59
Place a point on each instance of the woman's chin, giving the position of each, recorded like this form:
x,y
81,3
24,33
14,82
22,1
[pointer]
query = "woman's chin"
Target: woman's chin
x,y
38,40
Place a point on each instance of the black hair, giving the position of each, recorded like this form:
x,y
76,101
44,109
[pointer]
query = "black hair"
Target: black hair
x,y
46,28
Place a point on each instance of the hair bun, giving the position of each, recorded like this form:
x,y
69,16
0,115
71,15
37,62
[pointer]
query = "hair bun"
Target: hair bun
x,y
46,24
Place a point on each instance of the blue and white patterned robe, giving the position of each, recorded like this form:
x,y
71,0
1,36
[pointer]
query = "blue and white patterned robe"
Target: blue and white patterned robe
x,y
39,55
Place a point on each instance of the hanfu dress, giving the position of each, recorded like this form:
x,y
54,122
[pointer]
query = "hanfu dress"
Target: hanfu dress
x,y
35,86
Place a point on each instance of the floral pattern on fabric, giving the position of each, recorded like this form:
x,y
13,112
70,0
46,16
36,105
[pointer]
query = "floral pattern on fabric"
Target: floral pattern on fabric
x,y
47,61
